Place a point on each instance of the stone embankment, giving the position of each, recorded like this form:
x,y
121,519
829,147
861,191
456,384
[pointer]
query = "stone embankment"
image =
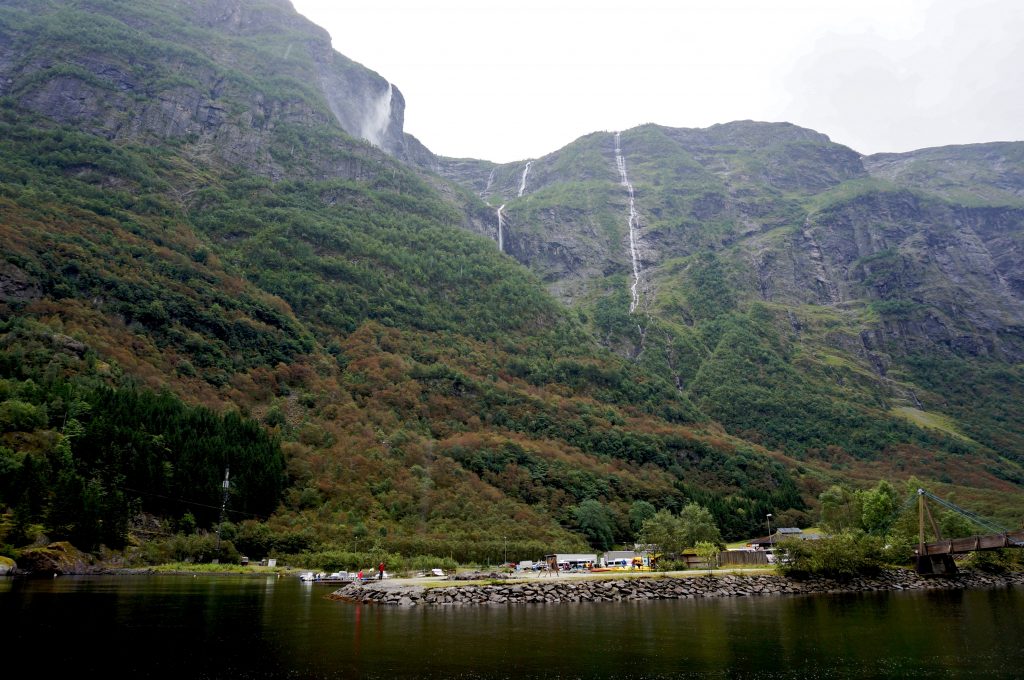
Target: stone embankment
x,y
655,588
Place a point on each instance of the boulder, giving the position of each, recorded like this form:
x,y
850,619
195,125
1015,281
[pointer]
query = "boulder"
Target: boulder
x,y
56,558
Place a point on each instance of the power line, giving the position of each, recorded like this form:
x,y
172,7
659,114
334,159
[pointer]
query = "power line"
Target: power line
x,y
187,502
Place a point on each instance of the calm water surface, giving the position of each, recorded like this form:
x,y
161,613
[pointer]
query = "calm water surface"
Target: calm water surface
x,y
257,627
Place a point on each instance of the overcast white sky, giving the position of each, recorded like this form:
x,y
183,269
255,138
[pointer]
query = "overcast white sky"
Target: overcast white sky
x,y
514,80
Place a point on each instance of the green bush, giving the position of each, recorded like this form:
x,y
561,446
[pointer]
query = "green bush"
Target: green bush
x,y
293,542
196,548
254,539
996,561
843,556
19,416
898,549
201,548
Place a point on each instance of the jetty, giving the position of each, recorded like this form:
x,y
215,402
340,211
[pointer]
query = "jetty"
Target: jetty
x,y
654,587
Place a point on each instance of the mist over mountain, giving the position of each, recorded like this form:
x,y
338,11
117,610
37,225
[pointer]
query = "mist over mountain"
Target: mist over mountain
x,y
213,223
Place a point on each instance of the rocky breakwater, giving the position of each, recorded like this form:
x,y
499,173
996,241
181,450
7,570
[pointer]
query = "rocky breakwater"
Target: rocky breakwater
x,y
653,588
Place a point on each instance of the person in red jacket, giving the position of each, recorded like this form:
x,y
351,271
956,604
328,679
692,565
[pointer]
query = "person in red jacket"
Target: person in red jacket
x,y
380,571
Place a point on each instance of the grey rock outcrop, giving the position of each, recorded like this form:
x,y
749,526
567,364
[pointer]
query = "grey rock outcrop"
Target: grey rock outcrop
x,y
220,104
17,285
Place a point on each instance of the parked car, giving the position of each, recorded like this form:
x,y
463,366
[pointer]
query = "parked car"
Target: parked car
x,y
776,556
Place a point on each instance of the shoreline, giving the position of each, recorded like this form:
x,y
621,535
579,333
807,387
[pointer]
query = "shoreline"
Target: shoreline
x,y
657,588
150,571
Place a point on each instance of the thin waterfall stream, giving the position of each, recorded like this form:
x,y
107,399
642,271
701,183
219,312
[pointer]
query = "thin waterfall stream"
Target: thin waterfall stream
x,y
634,224
501,228
522,181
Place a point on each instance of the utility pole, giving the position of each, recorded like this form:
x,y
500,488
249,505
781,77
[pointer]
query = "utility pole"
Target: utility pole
x,y
225,485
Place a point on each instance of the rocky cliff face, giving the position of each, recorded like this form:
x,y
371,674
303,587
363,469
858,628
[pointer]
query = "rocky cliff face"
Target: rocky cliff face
x,y
946,273
802,221
151,73
872,268
694,189
972,173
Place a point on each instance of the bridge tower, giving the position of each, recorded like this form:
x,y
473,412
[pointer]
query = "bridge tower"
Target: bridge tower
x,y
930,565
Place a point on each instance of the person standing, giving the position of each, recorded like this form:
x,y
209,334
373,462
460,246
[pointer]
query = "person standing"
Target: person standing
x,y
380,570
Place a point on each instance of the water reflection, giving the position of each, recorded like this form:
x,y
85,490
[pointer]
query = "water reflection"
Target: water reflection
x,y
220,627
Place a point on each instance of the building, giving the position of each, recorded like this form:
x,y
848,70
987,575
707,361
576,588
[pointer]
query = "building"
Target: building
x,y
781,535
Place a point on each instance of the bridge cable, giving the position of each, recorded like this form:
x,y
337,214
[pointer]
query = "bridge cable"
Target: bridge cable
x,y
977,519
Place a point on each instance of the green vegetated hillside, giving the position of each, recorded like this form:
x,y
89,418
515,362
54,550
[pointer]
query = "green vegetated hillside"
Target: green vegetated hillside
x,y
863,315
184,291
204,267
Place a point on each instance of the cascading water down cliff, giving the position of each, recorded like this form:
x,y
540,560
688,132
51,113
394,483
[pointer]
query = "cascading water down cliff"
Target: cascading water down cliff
x,y
501,209
378,119
522,181
634,224
501,228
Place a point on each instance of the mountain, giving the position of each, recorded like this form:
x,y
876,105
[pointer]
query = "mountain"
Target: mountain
x,y
806,297
221,249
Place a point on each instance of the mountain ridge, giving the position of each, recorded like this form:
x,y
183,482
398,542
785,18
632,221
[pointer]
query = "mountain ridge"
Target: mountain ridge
x,y
214,230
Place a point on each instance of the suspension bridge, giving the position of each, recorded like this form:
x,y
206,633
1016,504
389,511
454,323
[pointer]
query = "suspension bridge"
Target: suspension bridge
x,y
936,557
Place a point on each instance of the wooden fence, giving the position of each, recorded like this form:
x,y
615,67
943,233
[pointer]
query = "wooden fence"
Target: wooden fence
x,y
742,558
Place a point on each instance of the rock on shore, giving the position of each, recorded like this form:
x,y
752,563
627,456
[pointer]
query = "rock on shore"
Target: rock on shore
x,y
56,558
657,588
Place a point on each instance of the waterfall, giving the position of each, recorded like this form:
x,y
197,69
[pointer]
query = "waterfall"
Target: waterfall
x,y
375,125
501,228
634,224
490,182
522,182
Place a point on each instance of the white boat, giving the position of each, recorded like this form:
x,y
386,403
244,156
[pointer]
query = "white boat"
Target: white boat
x,y
337,577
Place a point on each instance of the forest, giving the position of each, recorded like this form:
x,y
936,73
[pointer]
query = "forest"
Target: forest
x,y
203,274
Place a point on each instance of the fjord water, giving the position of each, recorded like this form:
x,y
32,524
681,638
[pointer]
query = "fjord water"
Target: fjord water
x,y
257,627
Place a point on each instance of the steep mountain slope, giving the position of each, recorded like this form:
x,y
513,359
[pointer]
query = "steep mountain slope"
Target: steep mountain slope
x,y
972,174
185,207
242,82
860,313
